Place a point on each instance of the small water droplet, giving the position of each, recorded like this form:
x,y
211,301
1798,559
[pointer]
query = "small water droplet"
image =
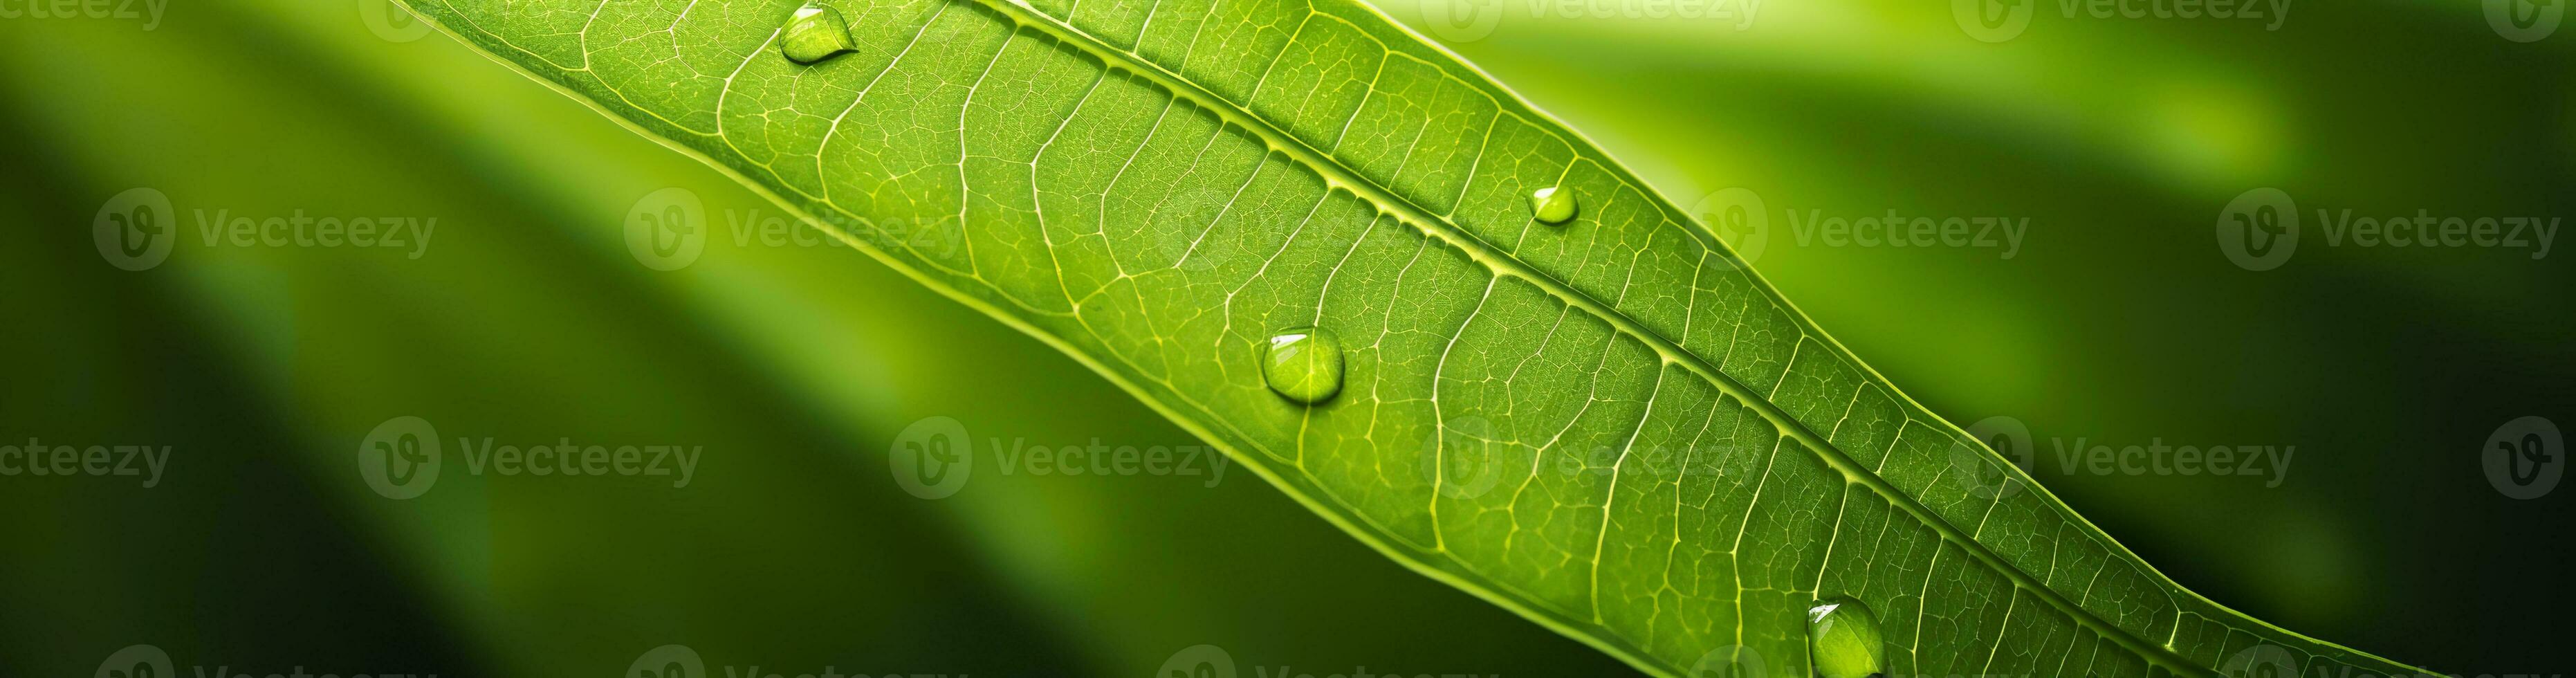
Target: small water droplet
x,y
1843,639
1303,364
815,33
1553,204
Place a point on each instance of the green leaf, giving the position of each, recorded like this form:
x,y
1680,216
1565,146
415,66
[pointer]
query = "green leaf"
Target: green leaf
x,y
1608,425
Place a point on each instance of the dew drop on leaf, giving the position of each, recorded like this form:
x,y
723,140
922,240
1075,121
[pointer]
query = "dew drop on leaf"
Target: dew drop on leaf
x,y
815,33
1553,204
1843,638
1303,364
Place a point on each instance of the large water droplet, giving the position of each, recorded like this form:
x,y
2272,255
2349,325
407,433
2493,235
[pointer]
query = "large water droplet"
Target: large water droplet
x,y
1843,639
815,33
1553,204
1303,364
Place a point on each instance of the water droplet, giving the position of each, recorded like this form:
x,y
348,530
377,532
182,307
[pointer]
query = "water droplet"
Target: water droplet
x,y
1553,204
1843,638
815,33
1303,364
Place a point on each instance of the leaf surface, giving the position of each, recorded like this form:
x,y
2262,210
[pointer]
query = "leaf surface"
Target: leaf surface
x,y
1610,426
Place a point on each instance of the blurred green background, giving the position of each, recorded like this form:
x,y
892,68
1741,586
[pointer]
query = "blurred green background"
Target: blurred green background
x,y
526,319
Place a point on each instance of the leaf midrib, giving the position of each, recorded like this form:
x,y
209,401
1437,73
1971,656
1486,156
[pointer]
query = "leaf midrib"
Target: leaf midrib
x,y
1338,175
